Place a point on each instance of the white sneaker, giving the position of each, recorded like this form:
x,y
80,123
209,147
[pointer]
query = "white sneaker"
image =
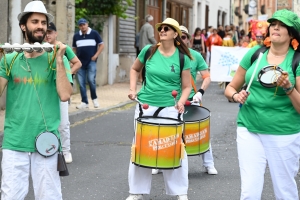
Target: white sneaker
x,y
82,105
182,197
156,171
135,197
96,103
68,157
211,170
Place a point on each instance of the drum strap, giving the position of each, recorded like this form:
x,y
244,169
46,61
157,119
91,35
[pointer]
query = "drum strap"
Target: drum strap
x,y
157,111
141,111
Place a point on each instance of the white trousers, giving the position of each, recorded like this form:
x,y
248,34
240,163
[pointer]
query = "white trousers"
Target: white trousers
x,y
139,178
64,126
280,152
16,168
207,158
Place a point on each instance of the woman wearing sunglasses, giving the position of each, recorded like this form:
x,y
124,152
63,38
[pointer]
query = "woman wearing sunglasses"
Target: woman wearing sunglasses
x,y
162,76
198,64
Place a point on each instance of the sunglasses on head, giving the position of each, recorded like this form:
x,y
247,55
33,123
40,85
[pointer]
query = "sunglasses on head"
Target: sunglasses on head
x,y
165,28
183,37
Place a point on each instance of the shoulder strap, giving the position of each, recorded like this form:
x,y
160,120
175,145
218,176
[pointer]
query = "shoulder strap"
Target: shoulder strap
x,y
262,49
147,55
181,60
295,62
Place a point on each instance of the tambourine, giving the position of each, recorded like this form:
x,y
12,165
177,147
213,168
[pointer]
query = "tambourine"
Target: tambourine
x,y
47,144
268,76
8,48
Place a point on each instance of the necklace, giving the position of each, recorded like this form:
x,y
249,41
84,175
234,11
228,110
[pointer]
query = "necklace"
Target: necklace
x,y
279,55
28,68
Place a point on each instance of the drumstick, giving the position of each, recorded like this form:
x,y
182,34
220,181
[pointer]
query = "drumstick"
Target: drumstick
x,y
145,106
174,94
253,74
188,103
254,71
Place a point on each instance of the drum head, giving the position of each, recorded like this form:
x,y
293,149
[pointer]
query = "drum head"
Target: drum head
x,y
159,120
268,76
195,113
47,144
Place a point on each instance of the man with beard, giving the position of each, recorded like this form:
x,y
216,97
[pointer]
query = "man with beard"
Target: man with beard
x,y
64,127
36,82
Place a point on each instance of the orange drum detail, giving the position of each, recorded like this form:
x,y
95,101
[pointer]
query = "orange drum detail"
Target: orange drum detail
x,y
196,130
158,143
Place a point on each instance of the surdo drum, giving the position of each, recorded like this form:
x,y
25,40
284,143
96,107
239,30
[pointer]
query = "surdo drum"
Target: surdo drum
x,y
196,129
158,143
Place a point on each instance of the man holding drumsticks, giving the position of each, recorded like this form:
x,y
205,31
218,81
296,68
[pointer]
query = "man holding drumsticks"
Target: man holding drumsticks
x,y
36,82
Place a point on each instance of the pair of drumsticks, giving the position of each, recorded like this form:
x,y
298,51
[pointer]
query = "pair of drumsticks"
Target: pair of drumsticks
x,y
174,94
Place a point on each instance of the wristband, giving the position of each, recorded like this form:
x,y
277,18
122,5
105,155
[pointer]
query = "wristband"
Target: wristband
x,y
288,89
233,96
201,91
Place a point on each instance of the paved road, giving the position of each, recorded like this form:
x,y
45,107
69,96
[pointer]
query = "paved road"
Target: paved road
x,y
101,151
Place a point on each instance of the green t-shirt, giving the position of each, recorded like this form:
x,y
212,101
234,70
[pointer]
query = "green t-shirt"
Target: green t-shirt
x,y
197,64
263,112
69,53
23,117
162,76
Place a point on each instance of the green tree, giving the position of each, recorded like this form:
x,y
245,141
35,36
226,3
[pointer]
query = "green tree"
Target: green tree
x,y
88,9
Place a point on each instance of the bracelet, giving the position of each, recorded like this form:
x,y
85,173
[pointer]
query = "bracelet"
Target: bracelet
x,y
201,91
233,96
290,92
288,89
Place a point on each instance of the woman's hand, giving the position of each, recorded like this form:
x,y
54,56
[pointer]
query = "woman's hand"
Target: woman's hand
x,y
241,97
132,94
180,107
61,49
283,80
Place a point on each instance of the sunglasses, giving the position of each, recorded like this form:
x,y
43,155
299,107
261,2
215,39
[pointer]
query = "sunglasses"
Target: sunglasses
x,y
165,28
259,36
183,37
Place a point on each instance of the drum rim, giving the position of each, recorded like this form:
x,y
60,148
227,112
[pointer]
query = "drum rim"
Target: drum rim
x,y
179,122
198,120
36,144
268,85
162,168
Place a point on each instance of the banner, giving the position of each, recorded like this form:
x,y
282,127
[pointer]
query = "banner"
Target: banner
x,y
225,61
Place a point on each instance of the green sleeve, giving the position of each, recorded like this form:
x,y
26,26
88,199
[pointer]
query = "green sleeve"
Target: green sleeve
x,y
201,64
69,53
143,52
5,64
187,63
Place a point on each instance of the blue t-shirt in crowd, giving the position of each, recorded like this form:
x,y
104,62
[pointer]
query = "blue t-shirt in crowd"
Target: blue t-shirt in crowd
x,y
86,45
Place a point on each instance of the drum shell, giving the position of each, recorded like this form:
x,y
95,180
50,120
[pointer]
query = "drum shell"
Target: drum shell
x,y
196,130
158,145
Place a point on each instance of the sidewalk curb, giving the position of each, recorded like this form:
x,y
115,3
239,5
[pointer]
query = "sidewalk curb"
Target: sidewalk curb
x,y
84,114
